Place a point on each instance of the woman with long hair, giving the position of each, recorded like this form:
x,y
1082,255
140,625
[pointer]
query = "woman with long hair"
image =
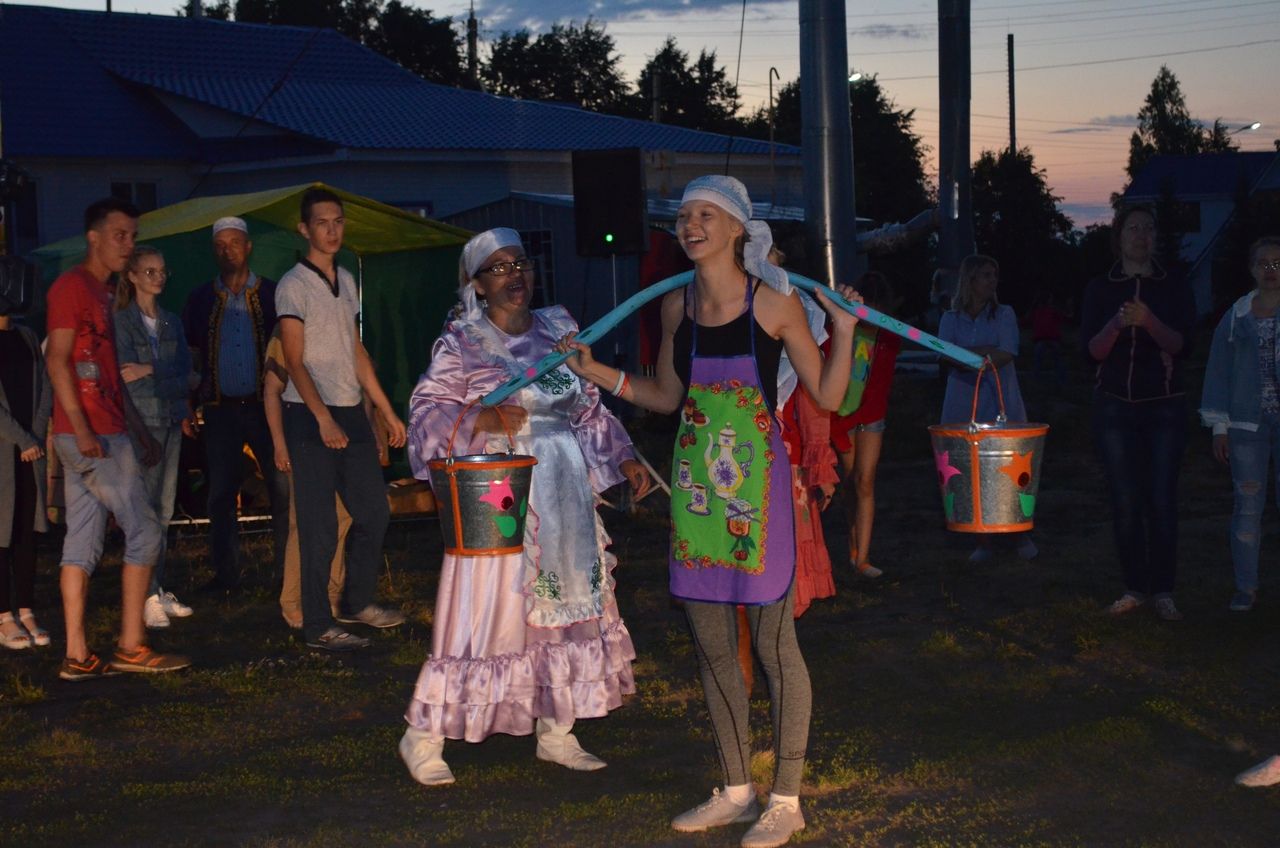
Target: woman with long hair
x,y
978,321
155,363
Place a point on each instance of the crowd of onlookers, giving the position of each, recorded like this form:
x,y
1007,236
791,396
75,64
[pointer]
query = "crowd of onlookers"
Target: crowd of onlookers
x,y
120,381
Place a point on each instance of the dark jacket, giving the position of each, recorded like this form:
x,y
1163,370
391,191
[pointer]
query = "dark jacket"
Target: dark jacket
x,y
1136,368
202,318
11,433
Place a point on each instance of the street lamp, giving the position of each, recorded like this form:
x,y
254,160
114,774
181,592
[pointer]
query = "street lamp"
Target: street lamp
x,y
854,76
1247,128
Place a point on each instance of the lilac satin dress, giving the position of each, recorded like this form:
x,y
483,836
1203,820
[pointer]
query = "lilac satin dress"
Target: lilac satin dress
x,y
537,634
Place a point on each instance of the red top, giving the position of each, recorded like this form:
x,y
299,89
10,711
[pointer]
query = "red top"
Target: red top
x,y
875,397
1046,324
80,302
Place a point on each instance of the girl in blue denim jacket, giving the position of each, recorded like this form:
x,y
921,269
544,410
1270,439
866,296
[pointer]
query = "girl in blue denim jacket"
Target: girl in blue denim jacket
x,y
155,363
1241,402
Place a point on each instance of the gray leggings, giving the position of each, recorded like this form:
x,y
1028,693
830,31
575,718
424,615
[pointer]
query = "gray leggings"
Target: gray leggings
x,y
773,634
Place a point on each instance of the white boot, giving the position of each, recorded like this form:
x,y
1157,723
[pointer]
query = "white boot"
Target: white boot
x,y
424,755
557,745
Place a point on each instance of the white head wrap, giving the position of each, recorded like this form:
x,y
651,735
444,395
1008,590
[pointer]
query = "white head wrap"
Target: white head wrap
x,y
474,253
731,195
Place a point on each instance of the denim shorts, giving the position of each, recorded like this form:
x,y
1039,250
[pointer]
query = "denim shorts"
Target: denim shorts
x,y
869,427
100,486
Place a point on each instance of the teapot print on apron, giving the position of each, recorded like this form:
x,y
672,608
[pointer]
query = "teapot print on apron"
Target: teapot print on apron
x,y
726,473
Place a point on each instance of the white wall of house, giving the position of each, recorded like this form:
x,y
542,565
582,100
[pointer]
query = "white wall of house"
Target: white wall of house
x,y
65,187
438,184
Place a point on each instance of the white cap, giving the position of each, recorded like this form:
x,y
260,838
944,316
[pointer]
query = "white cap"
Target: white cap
x,y
230,223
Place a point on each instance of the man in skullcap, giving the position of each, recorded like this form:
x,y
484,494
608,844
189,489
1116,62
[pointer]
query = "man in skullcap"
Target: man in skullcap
x,y
228,322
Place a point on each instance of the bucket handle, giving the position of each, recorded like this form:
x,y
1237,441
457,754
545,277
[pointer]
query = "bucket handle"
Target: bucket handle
x,y
977,387
511,439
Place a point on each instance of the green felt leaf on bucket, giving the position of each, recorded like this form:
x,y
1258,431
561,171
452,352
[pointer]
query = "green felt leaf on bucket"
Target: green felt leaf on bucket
x,y
524,506
949,505
506,525
1028,504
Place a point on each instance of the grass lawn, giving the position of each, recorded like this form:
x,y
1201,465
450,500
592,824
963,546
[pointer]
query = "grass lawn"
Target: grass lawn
x,y
954,705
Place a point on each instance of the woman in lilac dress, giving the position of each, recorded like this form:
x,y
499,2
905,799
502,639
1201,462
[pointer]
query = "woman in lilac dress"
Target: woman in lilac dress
x,y
528,642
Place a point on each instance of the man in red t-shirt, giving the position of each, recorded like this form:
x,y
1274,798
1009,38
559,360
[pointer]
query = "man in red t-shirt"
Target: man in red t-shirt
x,y
92,422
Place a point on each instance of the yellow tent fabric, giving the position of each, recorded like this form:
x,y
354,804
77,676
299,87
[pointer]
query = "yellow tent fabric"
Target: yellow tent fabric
x,y
406,266
372,227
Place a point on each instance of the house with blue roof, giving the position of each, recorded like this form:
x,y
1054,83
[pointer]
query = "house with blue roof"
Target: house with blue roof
x,y
160,108
1205,188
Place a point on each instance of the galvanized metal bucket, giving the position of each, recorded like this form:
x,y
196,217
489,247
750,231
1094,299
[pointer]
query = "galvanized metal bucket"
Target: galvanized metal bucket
x,y
483,498
988,473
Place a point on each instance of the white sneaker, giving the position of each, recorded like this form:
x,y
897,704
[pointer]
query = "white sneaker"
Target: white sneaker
x,y
1126,603
173,607
779,823
1265,773
716,811
153,614
425,758
565,750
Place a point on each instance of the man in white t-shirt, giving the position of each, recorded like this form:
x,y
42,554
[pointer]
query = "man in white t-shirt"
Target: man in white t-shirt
x,y
331,445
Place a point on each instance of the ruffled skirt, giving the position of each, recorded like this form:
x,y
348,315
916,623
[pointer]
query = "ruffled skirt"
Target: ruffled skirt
x,y
491,672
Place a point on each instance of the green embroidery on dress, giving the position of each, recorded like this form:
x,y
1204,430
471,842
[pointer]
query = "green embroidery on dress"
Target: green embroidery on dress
x,y
547,585
597,577
556,382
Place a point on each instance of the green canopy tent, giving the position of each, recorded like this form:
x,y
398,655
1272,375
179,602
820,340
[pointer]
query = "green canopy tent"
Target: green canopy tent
x,y
406,266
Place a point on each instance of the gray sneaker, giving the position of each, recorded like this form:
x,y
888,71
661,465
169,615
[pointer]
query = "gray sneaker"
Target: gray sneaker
x,y
717,811
775,828
337,641
375,616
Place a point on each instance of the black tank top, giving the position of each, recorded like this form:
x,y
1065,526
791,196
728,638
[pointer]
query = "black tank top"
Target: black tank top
x,y
729,340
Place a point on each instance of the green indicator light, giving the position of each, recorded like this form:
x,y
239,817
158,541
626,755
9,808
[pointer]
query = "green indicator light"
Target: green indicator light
x,y
608,238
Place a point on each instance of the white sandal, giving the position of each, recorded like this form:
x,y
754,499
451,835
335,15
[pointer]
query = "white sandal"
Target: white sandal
x,y
19,641
39,635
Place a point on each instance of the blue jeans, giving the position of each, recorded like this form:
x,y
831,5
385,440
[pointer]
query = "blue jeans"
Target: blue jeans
x,y
227,427
161,483
1140,445
355,475
1250,454
97,487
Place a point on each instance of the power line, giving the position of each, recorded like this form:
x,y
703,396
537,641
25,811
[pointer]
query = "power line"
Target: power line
x,y
1101,61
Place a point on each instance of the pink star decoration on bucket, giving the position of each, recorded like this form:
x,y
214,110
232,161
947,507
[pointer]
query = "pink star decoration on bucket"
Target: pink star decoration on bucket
x,y
946,470
499,494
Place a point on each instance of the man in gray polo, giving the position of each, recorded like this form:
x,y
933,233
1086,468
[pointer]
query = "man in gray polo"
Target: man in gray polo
x,y
331,445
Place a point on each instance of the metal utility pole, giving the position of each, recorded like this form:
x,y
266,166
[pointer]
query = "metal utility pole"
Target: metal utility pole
x,y
656,115
473,50
827,142
955,238
1013,132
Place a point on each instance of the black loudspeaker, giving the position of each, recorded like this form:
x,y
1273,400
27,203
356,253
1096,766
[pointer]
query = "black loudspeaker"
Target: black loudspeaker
x,y
610,214
17,285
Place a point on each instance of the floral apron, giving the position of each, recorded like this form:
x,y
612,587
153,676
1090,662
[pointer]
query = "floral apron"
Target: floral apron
x,y
732,520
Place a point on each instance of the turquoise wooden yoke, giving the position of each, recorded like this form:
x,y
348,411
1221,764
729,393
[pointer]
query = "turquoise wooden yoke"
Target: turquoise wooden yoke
x,y
590,335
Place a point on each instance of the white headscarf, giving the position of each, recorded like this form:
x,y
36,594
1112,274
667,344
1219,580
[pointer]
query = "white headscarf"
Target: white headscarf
x,y
731,195
474,253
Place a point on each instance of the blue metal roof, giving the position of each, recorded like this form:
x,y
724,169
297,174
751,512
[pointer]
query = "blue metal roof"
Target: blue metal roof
x,y
83,83
1191,176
